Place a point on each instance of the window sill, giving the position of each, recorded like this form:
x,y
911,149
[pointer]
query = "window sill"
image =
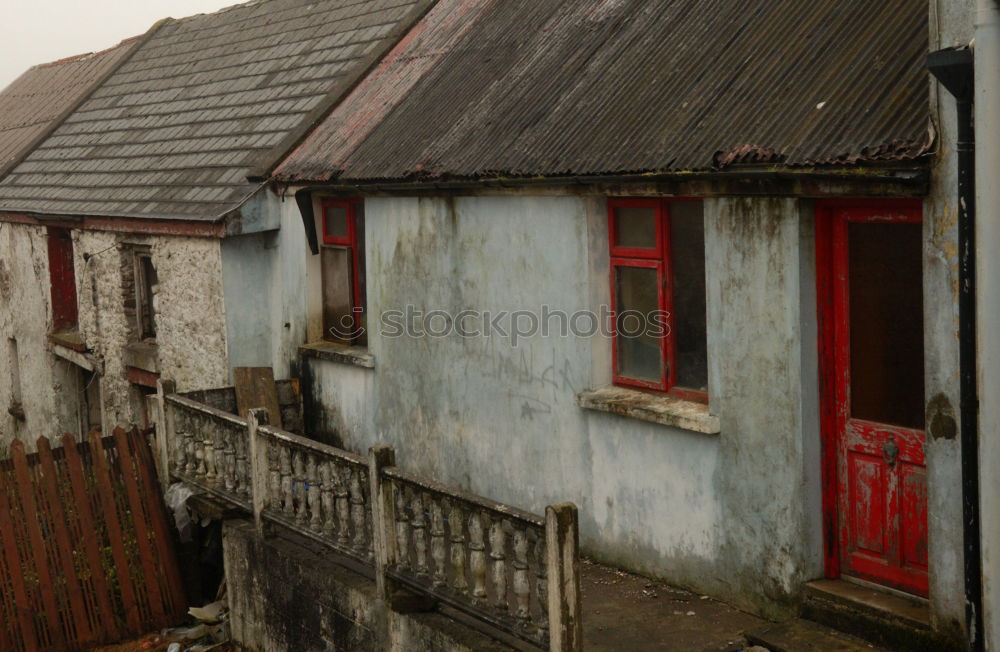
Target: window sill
x,y
356,356
654,408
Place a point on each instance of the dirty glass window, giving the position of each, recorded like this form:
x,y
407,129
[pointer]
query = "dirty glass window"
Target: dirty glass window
x,y
658,295
342,259
886,323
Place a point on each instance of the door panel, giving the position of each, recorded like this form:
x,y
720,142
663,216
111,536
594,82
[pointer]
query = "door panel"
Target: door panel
x,y
874,393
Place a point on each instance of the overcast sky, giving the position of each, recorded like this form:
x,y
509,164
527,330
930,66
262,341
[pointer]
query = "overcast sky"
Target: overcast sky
x,y
40,31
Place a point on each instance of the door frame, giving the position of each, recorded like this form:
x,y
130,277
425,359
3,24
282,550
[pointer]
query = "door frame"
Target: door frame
x,y
903,210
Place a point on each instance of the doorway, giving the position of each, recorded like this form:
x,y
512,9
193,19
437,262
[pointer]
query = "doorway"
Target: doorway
x,y
870,294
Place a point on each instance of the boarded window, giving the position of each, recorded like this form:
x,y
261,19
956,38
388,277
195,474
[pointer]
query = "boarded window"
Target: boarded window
x,y
342,259
62,277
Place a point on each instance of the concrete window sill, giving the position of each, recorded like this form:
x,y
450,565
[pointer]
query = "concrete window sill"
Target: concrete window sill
x,y
356,356
654,408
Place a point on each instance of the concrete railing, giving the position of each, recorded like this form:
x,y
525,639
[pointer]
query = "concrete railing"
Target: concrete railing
x,y
516,572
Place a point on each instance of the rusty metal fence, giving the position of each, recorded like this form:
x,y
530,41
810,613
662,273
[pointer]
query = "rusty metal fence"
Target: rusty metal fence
x,y
86,552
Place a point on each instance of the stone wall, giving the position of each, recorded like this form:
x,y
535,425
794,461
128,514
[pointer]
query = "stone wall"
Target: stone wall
x,y
286,594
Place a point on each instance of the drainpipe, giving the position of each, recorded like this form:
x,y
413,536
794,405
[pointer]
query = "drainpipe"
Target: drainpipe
x,y
987,109
953,67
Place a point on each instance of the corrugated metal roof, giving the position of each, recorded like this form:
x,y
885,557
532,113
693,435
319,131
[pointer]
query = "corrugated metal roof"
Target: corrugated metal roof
x,y
175,131
584,87
34,101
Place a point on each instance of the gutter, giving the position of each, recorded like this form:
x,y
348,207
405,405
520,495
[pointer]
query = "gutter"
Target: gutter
x,y
953,67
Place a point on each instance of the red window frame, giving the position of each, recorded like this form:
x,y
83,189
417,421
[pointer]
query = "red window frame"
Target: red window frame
x,y
657,258
350,241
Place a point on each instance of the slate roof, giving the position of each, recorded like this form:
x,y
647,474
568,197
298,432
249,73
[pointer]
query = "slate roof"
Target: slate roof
x,y
522,88
204,102
33,102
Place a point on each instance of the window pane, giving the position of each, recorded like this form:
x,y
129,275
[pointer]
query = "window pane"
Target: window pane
x,y
636,301
886,321
687,256
336,222
338,320
635,227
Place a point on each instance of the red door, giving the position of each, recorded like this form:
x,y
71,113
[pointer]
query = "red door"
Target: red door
x,y
871,317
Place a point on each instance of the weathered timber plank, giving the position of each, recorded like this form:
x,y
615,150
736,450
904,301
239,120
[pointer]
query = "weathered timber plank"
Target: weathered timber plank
x,y
36,540
142,529
255,388
91,546
64,547
25,615
175,600
102,473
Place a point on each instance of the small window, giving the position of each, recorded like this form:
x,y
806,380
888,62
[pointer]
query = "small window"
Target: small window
x,y
658,295
62,279
146,289
343,262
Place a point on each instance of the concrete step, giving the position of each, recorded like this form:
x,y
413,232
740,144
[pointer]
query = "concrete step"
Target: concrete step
x,y
880,617
806,636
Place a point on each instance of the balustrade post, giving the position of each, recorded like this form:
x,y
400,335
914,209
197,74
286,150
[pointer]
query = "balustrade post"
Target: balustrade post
x,y
259,468
562,534
166,435
383,516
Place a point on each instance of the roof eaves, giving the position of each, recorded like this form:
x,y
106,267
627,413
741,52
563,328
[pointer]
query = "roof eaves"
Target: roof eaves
x,y
134,44
274,156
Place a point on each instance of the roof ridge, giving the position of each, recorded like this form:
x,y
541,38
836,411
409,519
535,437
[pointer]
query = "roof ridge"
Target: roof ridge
x,y
232,7
87,55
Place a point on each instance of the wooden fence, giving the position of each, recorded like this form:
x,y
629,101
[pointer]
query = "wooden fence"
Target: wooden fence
x,y
86,552
513,572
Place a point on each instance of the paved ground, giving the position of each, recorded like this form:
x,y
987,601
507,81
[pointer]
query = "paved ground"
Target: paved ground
x,y
623,611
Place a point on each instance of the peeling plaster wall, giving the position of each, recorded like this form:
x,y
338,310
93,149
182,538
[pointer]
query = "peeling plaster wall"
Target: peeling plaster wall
x,y
26,315
190,324
737,515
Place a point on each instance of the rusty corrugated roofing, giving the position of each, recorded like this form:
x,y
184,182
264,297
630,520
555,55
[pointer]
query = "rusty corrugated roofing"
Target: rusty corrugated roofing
x,y
584,87
34,101
205,101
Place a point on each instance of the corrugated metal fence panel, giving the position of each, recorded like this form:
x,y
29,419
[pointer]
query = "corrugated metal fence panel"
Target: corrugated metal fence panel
x,y
86,555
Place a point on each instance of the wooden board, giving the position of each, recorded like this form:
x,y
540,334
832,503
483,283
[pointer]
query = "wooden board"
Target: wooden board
x,y
255,388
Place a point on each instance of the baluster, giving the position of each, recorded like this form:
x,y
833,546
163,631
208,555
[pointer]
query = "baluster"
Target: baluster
x,y
241,469
419,524
286,481
208,450
456,524
189,446
314,494
541,585
498,552
274,486
402,528
199,451
358,512
369,523
342,477
522,589
437,542
477,557
329,499
180,454
229,456
299,488
219,455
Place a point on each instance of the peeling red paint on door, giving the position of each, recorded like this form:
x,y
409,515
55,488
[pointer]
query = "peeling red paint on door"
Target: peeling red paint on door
x,y
874,469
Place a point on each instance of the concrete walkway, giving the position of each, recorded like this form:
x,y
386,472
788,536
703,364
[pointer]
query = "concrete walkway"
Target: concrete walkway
x,y
622,611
